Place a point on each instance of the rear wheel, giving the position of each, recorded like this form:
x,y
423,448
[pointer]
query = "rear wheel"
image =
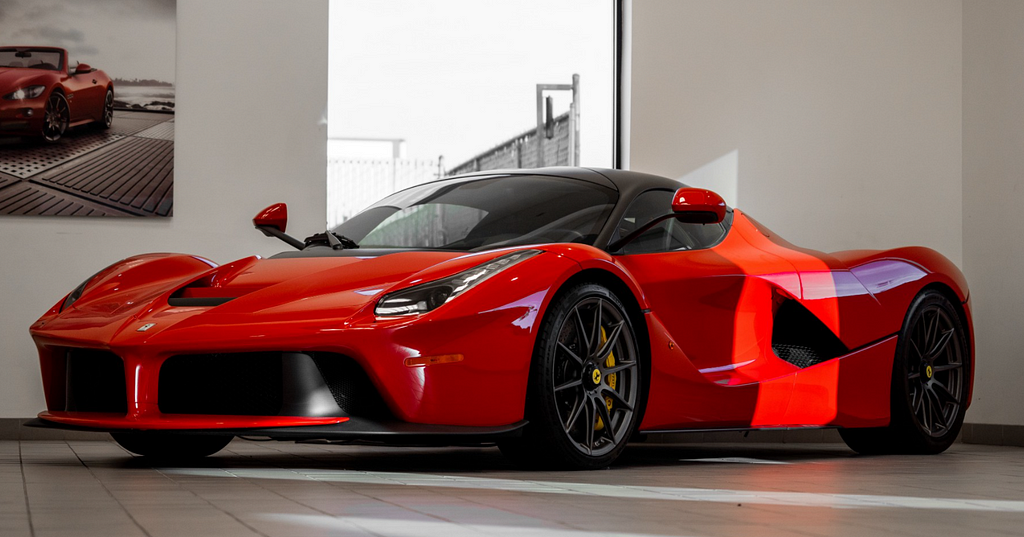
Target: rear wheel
x,y
171,446
585,384
108,110
929,383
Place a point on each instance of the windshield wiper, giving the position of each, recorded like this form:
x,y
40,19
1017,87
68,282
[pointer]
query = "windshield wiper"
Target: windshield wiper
x,y
334,240
340,242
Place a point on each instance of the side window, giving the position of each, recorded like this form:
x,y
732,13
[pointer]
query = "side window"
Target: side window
x,y
669,235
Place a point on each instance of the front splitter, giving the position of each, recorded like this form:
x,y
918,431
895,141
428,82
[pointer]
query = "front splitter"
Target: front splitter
x,y
353,429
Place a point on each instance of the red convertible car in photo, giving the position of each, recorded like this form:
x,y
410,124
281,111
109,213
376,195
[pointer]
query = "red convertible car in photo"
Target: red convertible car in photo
x,y
42,96
557,312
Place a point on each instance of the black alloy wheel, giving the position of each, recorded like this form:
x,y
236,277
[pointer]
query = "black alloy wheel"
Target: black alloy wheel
x,y
56,117
929,383
585,396
108,110
935,371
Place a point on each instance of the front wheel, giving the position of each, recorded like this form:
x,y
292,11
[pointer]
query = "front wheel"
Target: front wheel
x,y
56,117
930,378
171,446
585,384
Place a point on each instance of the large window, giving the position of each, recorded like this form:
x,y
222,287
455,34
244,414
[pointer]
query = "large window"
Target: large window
x,y
424,89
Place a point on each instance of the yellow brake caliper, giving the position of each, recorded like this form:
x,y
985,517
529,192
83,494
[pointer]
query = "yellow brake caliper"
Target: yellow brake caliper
x,y
611,381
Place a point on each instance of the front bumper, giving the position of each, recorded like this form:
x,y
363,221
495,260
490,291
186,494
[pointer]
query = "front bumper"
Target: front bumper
x,y
486,388
22,117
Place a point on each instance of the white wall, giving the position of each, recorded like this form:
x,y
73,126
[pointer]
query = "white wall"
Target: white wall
x,y
845,115
251,91
993,201
857,124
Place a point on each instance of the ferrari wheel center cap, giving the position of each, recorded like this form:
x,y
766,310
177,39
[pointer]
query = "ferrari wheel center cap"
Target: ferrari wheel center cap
x,y
928,372
594,377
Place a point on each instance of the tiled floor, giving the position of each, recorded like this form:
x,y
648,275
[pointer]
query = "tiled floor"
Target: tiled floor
x,y
268,488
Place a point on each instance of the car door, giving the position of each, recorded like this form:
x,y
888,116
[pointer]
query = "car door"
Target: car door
x,y
714,295
84,95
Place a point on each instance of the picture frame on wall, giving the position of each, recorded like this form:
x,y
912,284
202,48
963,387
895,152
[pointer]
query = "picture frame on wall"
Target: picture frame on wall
x,y
87,103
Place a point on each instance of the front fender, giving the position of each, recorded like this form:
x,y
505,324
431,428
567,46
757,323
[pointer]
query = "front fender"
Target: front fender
x,y
125,285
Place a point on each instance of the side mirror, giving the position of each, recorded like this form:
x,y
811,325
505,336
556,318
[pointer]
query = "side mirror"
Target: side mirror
x,y
698,206
690,206
272,222
275,216
82,69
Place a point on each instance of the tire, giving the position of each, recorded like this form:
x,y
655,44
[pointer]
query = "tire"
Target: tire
x,y
586,380
108,111
56,117
171,446
929,390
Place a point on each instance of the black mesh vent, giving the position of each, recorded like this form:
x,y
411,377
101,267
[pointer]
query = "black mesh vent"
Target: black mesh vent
x,y
798,355
351,386
246,384
801,339
95,382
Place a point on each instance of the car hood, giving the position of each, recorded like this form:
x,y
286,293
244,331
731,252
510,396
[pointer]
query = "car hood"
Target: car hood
x,y
304,287
14,78
250,291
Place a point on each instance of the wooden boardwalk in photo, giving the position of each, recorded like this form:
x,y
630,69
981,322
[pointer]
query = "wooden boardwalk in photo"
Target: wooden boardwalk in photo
x,y
127,170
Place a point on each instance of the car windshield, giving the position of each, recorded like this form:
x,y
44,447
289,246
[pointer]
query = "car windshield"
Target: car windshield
x,y
479,213
31,58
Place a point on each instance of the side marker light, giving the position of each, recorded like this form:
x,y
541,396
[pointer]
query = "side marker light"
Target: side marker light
x,y
432,360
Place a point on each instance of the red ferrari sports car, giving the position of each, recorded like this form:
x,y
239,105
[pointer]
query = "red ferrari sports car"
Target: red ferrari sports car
x,y
40,95
558,312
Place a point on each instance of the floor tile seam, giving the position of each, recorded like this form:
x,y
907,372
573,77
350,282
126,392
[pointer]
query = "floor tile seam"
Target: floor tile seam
x,y
24,488
326,513
890,529
449,492
339,484
566,525
297,502
107,490
211,504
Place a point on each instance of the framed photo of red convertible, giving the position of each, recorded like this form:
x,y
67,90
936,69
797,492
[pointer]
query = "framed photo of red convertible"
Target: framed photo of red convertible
x,y
87,108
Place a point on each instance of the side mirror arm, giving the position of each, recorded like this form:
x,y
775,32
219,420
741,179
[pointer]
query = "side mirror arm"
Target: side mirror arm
x,y
272,231
617,245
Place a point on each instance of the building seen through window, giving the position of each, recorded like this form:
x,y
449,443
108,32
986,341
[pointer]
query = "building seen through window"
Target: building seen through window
x,y
421,90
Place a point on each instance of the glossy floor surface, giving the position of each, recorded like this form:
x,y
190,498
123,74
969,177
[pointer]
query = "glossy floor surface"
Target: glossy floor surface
x,y
268,488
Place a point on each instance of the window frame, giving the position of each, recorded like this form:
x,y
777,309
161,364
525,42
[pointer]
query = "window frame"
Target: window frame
x,y
726,225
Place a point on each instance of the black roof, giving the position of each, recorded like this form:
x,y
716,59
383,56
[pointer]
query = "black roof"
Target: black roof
x,y
629,184
621,180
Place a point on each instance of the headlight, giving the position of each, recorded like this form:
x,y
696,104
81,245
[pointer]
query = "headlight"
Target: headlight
x,y
75,294
30,92
425,297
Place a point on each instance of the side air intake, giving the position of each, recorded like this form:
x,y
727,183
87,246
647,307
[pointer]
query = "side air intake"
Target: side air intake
x,y
801,339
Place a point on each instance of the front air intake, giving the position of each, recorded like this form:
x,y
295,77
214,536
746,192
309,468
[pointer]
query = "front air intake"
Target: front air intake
x,y
246,384
268,384
95,382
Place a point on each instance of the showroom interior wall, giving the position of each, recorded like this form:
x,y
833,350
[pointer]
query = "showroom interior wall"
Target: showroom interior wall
x,y
251,95
841,112
993,198
864,124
